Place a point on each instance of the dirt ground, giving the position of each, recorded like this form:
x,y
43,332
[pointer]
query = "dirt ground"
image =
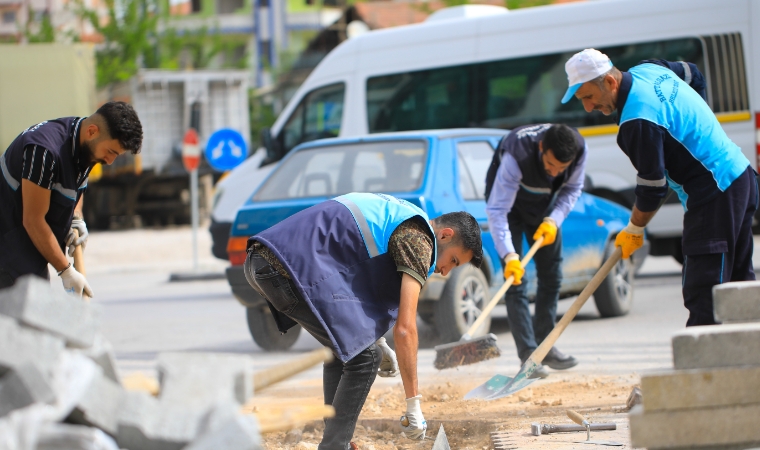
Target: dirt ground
x,y
468,423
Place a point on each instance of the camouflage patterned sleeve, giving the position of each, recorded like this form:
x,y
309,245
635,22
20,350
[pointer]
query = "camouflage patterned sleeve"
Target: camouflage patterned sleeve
x,y
411,247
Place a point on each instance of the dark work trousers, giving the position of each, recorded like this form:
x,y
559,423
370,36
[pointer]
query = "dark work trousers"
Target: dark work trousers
x,y
345,385
6,280
529,333
717,245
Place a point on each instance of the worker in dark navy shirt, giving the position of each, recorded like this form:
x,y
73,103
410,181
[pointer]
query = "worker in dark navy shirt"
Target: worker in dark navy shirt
x,y
45,172
673,139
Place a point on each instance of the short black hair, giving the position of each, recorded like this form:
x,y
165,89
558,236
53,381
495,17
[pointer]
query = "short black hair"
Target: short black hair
x,y
467,233
562,141
123,125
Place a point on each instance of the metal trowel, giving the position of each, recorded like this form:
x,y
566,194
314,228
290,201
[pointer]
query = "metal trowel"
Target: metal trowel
x,y
580,420
441,442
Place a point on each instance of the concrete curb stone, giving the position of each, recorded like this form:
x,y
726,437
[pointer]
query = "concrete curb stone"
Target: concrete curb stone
x,y
737,302
711,346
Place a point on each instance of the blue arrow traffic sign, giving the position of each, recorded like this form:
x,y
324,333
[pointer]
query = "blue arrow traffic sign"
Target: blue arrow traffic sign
x,y
226,149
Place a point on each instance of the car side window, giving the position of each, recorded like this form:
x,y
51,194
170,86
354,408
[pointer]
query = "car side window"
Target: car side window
x,y
318,116
474,159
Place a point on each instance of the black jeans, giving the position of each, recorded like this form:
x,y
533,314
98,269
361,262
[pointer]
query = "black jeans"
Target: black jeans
x,y
529,333
717,245
345,385
6,280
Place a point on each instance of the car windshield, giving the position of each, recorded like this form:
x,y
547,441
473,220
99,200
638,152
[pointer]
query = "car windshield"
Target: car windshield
x,y
387,166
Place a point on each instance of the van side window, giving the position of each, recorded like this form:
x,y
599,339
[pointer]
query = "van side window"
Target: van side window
x,y
501,94
317,116
474,160
726,73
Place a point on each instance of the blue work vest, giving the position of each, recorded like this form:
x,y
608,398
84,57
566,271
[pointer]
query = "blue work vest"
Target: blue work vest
x,y
18,254
336,253
659,96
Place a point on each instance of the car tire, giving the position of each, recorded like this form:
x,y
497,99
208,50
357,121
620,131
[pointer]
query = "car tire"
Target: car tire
x,y
614,295
264,331
465,295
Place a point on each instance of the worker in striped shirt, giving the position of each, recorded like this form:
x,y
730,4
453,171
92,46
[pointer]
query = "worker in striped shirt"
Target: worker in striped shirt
x,y
45,172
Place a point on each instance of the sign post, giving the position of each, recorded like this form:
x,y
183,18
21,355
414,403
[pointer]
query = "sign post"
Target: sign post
x,y
191,158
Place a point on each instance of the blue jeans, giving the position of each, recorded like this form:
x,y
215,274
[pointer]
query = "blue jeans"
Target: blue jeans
x,y
345,385
529,332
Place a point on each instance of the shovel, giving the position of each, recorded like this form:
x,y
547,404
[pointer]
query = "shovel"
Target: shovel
x,y
501,386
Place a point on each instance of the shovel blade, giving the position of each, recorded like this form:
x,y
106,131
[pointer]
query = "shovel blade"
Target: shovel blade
x,y
520,381
441,441
490,387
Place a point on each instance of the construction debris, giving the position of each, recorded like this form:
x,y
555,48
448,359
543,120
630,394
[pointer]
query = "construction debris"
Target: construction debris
x,y
712,398
464,353
59,387
634,398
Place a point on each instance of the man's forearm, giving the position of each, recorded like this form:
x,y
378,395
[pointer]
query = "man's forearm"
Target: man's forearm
x,y
406,353
640,218
78,208
46,243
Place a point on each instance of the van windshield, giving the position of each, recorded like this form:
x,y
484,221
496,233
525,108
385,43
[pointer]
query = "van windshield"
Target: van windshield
x,y
388,166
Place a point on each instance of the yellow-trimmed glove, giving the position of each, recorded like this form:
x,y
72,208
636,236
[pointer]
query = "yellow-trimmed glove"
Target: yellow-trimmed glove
x,y
512,267
630,239
547,229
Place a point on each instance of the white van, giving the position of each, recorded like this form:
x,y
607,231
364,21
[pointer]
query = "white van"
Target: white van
x,y
502,69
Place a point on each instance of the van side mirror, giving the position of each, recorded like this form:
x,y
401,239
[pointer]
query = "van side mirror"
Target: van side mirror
x,y
270,144
588,186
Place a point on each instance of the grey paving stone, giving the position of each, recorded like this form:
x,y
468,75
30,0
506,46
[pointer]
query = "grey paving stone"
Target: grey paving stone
x,y
23,386
240,432
33,302
695,428
102,353
20,345
100,404
145,423
737,302
203,379
62,436
701,388
717,346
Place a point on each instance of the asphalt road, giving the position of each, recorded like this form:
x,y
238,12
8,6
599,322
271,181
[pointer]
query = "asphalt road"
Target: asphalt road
x,y
144,314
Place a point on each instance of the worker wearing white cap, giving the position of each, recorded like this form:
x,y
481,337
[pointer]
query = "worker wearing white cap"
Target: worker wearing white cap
x,y
673,139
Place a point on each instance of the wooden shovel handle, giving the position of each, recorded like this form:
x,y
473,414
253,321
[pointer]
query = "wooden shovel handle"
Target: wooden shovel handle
x,y
278,373
540,353
502,290
79,260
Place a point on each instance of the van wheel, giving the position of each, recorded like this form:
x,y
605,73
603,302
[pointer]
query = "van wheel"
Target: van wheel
x,y
464,297
614,296
264,331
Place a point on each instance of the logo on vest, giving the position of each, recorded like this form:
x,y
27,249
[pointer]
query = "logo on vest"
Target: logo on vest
x,y
658,89
34,127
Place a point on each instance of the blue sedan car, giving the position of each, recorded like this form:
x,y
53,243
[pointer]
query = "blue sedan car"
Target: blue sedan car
x,y
439,171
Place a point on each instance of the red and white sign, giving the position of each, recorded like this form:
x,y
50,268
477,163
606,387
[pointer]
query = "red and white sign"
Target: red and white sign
x,y
191,151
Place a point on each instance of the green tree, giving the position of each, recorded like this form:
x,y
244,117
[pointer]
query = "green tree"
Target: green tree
x,y
45,32
516,4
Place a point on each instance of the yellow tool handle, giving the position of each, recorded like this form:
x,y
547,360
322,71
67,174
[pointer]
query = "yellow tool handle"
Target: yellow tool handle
x,y
502,290
278,373
577,418
270,423
79,260
540,353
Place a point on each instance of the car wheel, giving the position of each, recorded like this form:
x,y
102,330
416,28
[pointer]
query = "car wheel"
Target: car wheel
x,y
614,296
463,298
265,333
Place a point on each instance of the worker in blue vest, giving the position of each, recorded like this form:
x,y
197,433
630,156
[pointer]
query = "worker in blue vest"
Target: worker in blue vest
x,y
45,172
535,178
673,139
348,270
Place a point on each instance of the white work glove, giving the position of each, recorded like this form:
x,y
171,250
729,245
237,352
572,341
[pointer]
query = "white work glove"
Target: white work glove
x,y
389,364
81,227
75,283
417,426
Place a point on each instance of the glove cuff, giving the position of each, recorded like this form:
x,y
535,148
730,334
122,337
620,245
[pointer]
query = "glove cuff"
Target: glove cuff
x,y
634,229
550,220
381,341
511,257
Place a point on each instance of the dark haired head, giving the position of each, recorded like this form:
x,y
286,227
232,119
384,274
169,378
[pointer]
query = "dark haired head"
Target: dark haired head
x,y
562,142
123,125
467,233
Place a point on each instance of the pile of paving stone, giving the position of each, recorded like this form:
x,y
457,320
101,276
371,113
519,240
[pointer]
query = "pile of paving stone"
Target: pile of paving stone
x,y
712,398
59,387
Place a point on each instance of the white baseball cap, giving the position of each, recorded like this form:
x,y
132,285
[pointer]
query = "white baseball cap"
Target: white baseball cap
x,y
584,66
